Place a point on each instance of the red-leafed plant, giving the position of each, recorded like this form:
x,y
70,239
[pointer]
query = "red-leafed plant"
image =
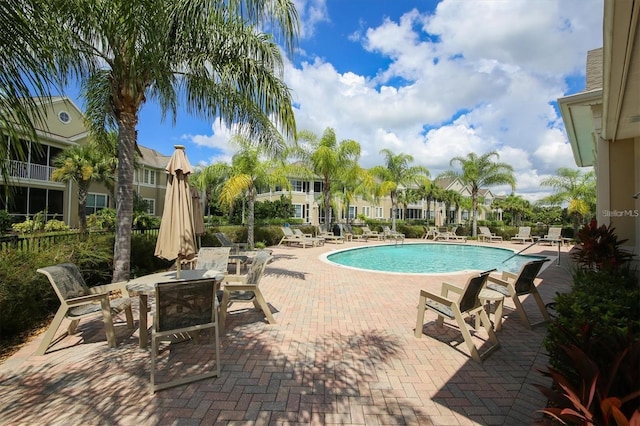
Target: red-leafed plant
x,y
596,395
599,248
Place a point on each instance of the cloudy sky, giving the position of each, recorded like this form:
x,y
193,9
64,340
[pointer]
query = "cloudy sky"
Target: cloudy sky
x,y
431,79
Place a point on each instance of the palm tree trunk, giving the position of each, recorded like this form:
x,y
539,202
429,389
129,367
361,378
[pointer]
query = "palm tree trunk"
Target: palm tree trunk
x,y
474,231
83,189
127,123
394,210
250,218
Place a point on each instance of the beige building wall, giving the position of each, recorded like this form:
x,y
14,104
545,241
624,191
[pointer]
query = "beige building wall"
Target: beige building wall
x,y
624,212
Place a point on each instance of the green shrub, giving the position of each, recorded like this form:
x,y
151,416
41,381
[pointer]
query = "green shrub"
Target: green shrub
x,y
29,226
104,219
606,300
143,260
55,225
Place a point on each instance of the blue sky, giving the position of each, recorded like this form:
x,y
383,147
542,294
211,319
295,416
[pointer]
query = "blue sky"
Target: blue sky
x,y
433,79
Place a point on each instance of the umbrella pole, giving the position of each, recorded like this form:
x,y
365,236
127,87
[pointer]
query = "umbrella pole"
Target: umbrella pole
x,y
178,267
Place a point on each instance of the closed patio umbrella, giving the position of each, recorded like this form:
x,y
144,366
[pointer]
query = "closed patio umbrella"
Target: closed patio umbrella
x,y
176,238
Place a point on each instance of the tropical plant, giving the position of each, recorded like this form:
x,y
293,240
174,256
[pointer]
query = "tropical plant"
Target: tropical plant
x,y
515,205
480,172
451,198
205,56
5,221
81,164
248,171
211,179
599,248
574,188
397,173
333,162
598,393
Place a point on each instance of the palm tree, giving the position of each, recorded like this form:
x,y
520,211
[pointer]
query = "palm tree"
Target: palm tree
x,y
211,180
479,172
575,188
206,56
395,174
332,161
248,172
82,164
514,204
28,70
450,198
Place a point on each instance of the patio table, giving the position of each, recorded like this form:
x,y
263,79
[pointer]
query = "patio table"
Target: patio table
x,y
144,286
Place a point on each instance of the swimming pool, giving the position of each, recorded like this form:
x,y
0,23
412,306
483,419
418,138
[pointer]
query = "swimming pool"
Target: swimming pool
x,y
429,258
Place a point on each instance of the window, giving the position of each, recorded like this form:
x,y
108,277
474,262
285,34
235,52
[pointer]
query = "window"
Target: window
x,y
149,177
366,211
379,213
317,186
96,202
151,205
298,211
353,212
296,185
64,117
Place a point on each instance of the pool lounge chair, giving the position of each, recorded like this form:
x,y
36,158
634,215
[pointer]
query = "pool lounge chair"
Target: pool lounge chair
x,y
225,241
317,241
289,237
430,232
368,233
485,234
349,230
328,235
523,235
553,236
450,236
387,233
466,305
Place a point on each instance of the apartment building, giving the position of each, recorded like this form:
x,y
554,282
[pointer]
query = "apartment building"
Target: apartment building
x,y
33,190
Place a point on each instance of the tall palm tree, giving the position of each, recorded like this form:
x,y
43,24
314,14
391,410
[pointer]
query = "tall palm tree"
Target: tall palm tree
x,y
332,161
248,172
450,198
206,56
211,180
575,188
82,164
395,174
480,172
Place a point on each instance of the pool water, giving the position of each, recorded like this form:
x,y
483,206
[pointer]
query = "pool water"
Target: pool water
x,y
430,258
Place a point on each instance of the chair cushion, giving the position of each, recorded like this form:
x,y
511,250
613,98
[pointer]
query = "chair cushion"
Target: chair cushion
x,y
499,288
440,308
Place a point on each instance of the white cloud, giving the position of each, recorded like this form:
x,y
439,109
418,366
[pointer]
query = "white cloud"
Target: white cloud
x,y
474,76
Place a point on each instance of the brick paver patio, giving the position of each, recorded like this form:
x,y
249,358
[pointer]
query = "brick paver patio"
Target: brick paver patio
x,y
343,351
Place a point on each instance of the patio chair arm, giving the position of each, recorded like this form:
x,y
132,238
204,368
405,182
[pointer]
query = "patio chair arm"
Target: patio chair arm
x,y
506,275
447,287
239,287
108,288
234,278
497,280
440,299
83,300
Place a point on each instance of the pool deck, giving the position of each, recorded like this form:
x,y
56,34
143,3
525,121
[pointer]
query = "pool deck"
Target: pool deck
x,y
343,351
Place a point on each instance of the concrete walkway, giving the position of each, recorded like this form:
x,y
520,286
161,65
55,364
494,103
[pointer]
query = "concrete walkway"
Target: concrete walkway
x,y
343,351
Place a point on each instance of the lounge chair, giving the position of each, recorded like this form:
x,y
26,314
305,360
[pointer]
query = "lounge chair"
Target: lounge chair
x,y
387,233
349,230
523,235
245,289
450,236
466,305
328,235
485,234
77,301
554,236
368,233
289,237
184,309
317,241
226,242
521,284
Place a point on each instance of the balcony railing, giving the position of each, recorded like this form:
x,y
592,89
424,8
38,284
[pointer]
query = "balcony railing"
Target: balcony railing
x,y
23,170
